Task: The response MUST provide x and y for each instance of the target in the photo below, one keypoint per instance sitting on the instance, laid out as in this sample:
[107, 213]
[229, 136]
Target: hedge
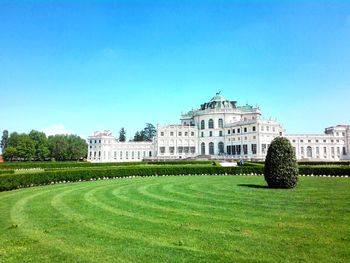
[9, 182]
[324, 163]
[49, 165]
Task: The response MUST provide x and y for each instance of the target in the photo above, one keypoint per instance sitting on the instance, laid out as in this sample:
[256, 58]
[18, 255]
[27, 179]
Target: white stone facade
[220, 129]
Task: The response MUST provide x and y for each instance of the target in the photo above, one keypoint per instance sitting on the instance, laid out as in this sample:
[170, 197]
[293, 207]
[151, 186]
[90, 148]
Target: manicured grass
[177, 219]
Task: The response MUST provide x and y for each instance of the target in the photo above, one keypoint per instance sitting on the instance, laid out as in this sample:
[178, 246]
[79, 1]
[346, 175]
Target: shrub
[281, 169]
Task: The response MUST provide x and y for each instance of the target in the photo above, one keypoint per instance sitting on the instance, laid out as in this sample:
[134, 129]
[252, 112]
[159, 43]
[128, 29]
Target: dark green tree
[281, 168]
[25, 147]
[122, 135]
[41, 145]
[77, 147]
[149, 132]
[4, 140]
[10, 153]
[58, 145]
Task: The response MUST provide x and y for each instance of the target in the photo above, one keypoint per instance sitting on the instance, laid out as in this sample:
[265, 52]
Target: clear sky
[82, 66]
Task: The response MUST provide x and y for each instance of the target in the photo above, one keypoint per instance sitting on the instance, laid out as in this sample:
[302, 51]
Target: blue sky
[81, 66]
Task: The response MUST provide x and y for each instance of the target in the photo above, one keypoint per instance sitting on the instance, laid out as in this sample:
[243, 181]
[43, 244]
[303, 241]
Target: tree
[25, 147]
[281, 169]
[77, 147]
[149, 132]
[4, 140]
[58, 146]
[122, 134]
[10, 153]
[41, 145]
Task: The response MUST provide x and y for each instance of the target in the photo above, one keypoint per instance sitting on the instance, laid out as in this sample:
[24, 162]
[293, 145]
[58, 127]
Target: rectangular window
[238, 149]
[253, 128]
[162, 150]
[229, 132]
[344, 151]
[302, 150]
[245, 149]
[325, 150]
[317, 150]
[202, 134]
[233, 131]
[253, 148]
[220, 133]
[171, 133]
[186, 133]
[245, 129]
[211, 134]
[180, 133]
[338, 150]
[138, 155]
[332, 150]
[267, 128]
[234, 150]
[127, 155]
[228, 149]
[238, 130]
[121, 155]
[192, 133]
[263, 148]
[193, 149]
[161, 133]
[171, 150]
[180, 149]
[186, 149]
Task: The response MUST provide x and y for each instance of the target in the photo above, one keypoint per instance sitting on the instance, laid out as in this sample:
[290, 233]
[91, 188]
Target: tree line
[36, 146]
[145, 135]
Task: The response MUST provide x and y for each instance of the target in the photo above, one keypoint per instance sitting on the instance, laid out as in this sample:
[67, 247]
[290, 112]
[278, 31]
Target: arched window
[221, 123]
[221, 147]
[202, 125]
[202, 148]
[211, 124]
[211, 148]
[309, 151]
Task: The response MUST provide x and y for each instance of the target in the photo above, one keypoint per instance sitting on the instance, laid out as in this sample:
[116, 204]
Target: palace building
[220, 129]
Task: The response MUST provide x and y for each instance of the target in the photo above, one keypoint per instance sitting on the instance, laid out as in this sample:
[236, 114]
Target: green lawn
[177, 219]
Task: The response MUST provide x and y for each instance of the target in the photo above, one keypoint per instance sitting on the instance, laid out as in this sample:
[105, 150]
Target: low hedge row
[13, 181]
[6, 171]
[9, 182]
[51, 165]
[324, 163]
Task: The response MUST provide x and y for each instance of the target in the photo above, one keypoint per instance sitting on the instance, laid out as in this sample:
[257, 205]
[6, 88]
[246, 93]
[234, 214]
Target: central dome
[219, 102]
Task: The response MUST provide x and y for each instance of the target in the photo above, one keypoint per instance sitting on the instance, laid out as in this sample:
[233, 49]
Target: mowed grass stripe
[115, 221]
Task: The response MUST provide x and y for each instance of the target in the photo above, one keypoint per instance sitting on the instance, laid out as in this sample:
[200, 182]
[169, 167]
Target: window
[316, 140]
[238, 149]
[202, 148]
[302, 150]
[301, 141]
[338, 150]
[234, 150]
[267, 128]
[171, 150]
[253, 128]
[228, 149]
[161, 133]
[332, 150]
[180, 149]
[245, 149]
[180, 133]
[132, 155]
[245, 129]
[344, 151]
[127, 155]
[238, 130]
[262, 128]
[317, 150]
[211, 148]
[325, 150]
[138, 155]
[211, 124]
[324, 140]
[186, 133]
[202, 124]
[211, 134]
[171, 133]
[202, 134]
[253, 148]
[162, 150]
[221, 147]
[233, 131]
[309, 140]
[150, 153]
[192, 133]
[309, 151]
[220, 133]
[121, 155]
[273, 129]
[228, 131]
[192, 149]
[221, 123]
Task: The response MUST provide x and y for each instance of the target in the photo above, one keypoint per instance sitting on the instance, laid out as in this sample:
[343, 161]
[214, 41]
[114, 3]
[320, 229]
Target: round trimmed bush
[281, 168]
